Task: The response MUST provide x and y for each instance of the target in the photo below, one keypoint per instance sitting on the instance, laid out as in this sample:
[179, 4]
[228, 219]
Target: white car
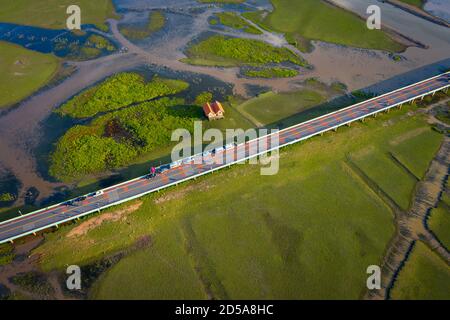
[97, 194]
[175, 164]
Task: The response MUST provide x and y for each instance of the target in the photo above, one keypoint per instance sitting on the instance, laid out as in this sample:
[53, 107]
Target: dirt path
[228, 75]
[411, 225]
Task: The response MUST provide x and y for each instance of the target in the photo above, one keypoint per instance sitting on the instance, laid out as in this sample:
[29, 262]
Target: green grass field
[317, 20]
[52, 13]
[427, 141]
[390, 177]
[424, 276]
[166, 267]
[439, 223]
[271, 107]
[308, 232]
[23, 72]
[413, 149]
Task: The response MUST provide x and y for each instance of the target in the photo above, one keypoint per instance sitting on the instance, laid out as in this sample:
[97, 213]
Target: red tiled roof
[207, 109]
[217, 107]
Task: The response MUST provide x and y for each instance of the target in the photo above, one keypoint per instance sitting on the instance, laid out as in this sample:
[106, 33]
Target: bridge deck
[135, 188]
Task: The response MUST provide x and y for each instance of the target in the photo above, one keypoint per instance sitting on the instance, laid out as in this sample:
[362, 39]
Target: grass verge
[425, 276]
[23, 72]
[318, 20]
[52, 13]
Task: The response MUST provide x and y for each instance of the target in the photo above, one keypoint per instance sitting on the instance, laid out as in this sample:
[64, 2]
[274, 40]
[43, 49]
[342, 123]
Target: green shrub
[119, 91]
[115, 139]
[203, 98]
[7, 197]
[235, 51]
[275, 72]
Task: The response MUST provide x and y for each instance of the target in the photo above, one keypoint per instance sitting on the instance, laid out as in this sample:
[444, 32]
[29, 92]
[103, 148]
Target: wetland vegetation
[223, 51]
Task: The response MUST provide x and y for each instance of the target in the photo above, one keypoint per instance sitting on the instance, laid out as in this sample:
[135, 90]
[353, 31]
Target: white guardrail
[105, 190]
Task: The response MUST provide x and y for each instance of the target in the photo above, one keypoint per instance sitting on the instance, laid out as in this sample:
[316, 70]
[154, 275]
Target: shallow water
[438, 8]
[58, 42]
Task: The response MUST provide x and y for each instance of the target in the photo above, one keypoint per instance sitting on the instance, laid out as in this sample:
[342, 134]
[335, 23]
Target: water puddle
[61, 43]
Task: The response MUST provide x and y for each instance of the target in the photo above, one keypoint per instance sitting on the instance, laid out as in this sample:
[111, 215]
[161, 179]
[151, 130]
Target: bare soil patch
[93, 223]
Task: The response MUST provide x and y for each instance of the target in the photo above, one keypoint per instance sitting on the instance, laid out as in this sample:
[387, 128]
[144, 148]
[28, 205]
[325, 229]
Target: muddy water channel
[29, 130]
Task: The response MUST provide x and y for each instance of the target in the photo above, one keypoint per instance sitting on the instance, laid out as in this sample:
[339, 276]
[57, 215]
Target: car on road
[79, 199]
[163, 168]
[175, 164]
[96, 194]
[69, 203]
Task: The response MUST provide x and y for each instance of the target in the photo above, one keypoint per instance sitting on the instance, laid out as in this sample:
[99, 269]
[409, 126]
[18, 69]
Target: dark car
[69, 203]
[82, 198]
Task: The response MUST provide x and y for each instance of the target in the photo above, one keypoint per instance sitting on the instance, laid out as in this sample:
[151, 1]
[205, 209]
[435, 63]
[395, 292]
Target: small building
[209, 113]
[218, 109]
[214, 111]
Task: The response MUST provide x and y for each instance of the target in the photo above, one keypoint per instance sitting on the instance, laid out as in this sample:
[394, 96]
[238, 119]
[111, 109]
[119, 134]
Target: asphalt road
[132, 189]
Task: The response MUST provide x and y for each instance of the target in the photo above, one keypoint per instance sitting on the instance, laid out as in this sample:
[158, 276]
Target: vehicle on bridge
[96, 194]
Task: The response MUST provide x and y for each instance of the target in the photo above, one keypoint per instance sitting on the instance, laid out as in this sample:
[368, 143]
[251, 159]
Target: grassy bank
[156, 21]
[439, 223]
[234, 21]
[119, 91]
[415, 3]
[308, 232]
[227, 52]
[23, 72]
[271, 107]
[317, 20]
[275, 72]
[424, 276]
[52, 13]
